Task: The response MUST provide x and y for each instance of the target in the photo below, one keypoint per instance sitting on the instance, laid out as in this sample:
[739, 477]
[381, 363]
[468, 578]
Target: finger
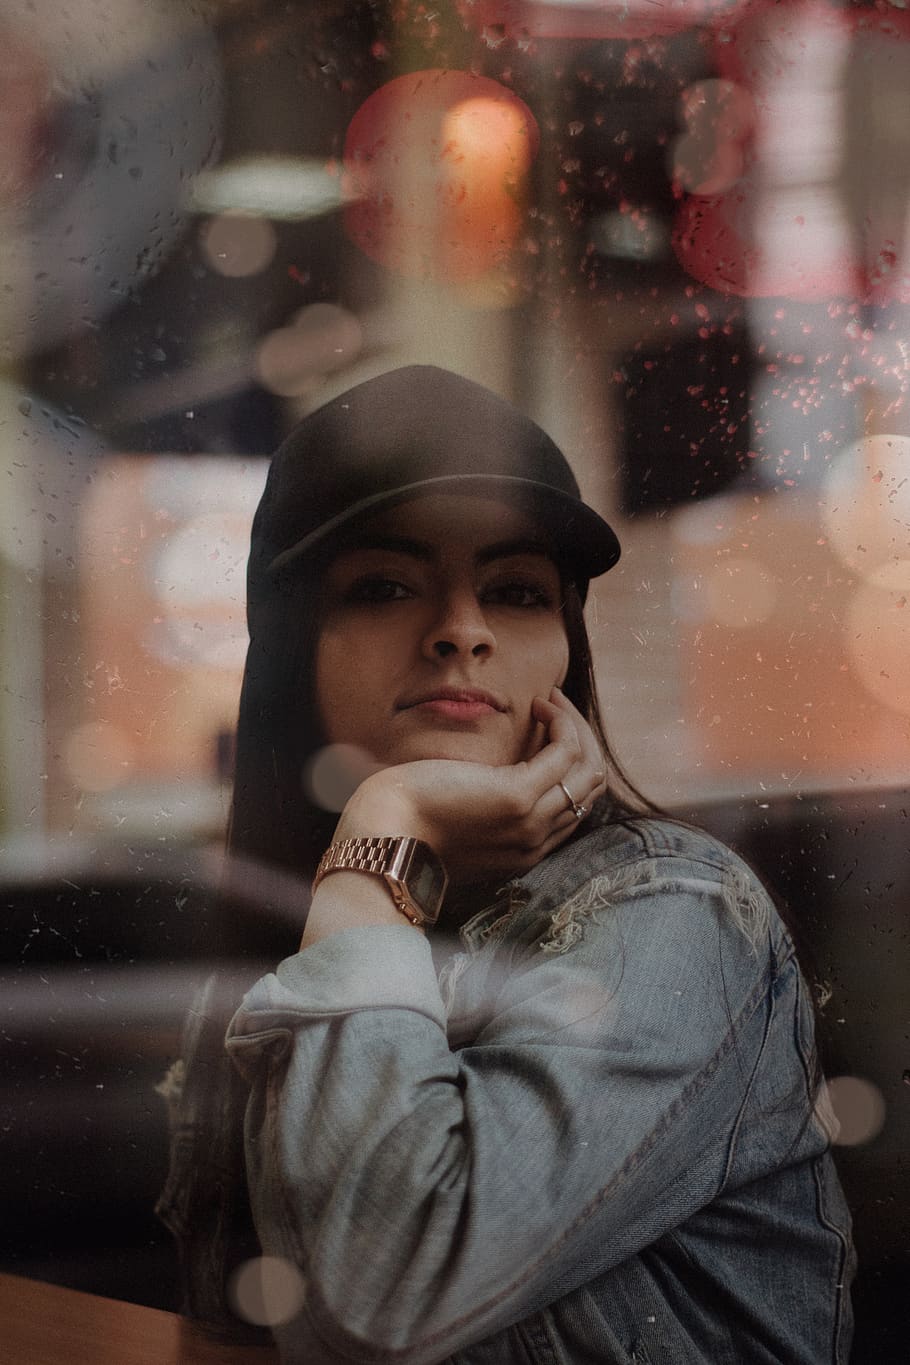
[543, 771]
[586, 778]
[558, 716]
[527, 856]
[556, 787]
[586, 735]
[562, 807]
[566, 807]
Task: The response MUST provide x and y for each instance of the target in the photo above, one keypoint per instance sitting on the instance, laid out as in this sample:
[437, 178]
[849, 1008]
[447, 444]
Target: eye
[375, 589]
[519, 592]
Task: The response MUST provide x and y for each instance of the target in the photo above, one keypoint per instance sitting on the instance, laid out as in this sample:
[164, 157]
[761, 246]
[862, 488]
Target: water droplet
[859, 1108]
[267, 1290]
[334, 773]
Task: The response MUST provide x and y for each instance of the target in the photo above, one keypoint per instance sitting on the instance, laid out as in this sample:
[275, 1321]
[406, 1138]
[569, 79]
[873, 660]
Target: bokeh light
[437, 163]
[781, 227]
[98, 756]
[818, 206]
[267, 1291]
[630, 237]
[708, 157]
[26, 84]
[795, 243]
[866, 505]
[332, 775]
[859, 1108]
[591, 19]
[284, 188]
[198, 577]
[107, 112]
[203, 560]
[236, 246]
[740, 592]
[708, 522]
[320, 339]
[877, 634]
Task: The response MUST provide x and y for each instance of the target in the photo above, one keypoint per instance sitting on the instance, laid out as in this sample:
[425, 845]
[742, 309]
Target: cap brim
[581, 537]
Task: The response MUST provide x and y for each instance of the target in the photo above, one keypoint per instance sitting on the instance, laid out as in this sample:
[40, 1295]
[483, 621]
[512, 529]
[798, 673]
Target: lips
[469, 700]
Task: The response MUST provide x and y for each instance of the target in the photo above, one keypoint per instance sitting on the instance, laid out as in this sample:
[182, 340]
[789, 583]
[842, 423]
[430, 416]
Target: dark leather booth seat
[101, 954]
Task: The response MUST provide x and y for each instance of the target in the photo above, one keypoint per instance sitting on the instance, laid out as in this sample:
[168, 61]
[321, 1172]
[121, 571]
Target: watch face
[425, 880]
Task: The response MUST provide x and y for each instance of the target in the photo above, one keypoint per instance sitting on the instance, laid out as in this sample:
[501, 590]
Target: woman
[588, 1131]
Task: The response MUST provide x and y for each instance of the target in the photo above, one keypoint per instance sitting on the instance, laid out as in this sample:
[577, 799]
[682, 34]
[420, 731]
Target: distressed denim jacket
[592, 1137]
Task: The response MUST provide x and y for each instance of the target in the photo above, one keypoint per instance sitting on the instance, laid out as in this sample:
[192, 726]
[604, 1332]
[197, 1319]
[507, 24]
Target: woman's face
[440, 623]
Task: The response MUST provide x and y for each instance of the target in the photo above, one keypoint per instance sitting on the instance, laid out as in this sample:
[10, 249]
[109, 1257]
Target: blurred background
[676, 234]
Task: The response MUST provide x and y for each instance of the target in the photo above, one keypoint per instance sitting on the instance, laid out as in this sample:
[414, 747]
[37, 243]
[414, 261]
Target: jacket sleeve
[432, 1197]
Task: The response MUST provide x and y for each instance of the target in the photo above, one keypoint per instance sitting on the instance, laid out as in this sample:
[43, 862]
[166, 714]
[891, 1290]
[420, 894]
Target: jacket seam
[738, 1122]
[840, 1288]
[843, 1243]
[646, 847]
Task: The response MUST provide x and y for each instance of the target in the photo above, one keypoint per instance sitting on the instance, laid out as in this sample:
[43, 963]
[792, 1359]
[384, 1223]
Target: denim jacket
[593, 1137]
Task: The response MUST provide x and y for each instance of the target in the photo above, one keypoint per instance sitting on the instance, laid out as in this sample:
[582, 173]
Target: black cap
[411, 431]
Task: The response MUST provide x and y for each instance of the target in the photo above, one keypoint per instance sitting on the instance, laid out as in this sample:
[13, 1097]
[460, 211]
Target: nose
[460, 626]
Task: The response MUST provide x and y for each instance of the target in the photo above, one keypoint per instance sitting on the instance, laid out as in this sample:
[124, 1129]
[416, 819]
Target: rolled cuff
[378, 966]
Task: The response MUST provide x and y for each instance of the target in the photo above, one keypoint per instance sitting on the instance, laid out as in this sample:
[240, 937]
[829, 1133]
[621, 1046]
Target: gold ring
[578, 811]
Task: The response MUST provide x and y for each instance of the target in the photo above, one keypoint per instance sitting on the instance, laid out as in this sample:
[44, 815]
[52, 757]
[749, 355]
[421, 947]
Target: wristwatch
[408, 866]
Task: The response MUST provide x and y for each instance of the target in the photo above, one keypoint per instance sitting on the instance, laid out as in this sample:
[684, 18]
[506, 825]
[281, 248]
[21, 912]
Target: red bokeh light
[820, 208]
[589, 19]
[437, 166]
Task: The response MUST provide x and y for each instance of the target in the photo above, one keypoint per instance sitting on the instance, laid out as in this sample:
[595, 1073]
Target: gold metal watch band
[357, 855]
[391, 857]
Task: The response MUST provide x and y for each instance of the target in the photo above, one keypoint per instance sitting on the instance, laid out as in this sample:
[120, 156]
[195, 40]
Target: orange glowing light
[437, 165]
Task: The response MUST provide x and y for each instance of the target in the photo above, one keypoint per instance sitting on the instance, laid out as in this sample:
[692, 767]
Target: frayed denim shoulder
[747, 905]
[567, 921]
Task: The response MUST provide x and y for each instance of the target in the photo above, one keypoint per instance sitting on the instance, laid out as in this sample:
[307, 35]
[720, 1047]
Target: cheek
[355, 679]
[554, 659]
[563, 660]
[544, 661]
[333, 664]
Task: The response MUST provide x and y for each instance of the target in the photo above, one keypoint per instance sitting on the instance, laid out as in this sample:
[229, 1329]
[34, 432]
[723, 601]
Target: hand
[484, 820]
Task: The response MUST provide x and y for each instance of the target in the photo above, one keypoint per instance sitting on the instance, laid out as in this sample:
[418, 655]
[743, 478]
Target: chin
[456, 748]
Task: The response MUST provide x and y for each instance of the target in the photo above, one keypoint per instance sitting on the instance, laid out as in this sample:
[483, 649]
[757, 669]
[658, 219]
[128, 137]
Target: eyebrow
[424, 551]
